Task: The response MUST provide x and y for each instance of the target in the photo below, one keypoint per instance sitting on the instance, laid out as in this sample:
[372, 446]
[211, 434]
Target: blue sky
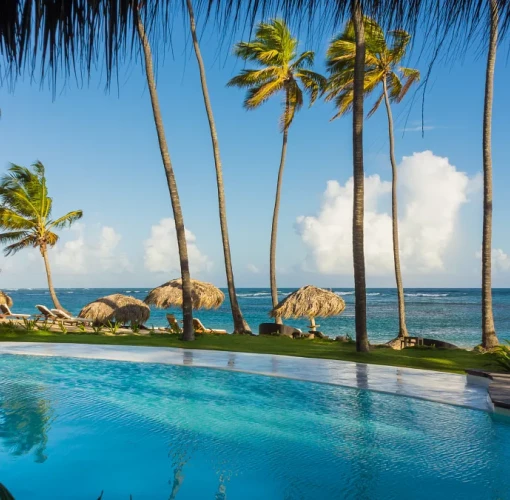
[101, 156]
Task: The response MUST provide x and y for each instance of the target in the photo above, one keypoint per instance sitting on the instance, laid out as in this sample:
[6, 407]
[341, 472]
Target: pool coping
[428, 385]
[498, 388]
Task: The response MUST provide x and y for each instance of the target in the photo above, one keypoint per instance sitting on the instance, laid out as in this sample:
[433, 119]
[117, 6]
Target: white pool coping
[434, 386]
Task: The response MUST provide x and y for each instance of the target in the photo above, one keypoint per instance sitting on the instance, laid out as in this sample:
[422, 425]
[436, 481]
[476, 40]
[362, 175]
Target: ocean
[452, 314]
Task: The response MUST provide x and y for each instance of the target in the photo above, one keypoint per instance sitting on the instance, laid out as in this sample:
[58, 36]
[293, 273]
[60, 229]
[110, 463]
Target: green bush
[503, 356]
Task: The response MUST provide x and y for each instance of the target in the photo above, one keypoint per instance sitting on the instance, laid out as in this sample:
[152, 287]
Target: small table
[410, 341]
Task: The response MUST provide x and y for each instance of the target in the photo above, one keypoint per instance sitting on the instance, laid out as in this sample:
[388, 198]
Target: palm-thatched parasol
[203, 295]
[116, 307]
[5, 299]
[311, 302]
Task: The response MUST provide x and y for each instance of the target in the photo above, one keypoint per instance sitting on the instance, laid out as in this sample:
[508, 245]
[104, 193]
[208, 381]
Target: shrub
[29, 324]
[503, 356]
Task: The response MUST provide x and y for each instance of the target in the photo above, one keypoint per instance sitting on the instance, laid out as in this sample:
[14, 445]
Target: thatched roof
[310, 302]
[117, 307]
[204, 295]
[5, 299]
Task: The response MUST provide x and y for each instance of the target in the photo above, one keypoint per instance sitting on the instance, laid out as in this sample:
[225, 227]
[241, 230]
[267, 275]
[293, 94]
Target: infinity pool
[71, 429]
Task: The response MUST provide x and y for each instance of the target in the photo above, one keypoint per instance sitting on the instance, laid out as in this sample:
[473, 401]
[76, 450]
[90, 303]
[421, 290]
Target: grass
[417, 357]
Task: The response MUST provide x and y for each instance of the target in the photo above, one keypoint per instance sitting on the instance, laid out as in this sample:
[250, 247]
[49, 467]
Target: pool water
[71, 429]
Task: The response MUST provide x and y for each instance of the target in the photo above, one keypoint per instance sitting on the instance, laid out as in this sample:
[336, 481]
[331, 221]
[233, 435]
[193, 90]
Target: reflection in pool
[72, 428]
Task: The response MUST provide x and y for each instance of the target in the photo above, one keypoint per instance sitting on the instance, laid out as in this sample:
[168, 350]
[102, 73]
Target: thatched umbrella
[203, 295]
[116, 307]
[5, 299]
[310, 302]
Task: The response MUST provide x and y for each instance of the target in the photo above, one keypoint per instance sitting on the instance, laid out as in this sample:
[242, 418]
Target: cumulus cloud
[500, 259]
[84, 254]
[431, 193]
[161, 251]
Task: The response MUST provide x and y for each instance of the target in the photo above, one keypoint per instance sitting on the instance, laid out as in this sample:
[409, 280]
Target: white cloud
[431, 192]
[500, 259]
[253, 268]
[161, 251]
[81, 256]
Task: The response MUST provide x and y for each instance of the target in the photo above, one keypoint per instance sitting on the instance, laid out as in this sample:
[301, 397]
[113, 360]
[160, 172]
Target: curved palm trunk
[358, 199]
[489, 338]
[402, 330]
[276, 211]
[187, 308]
[53, 294]
[240, 325]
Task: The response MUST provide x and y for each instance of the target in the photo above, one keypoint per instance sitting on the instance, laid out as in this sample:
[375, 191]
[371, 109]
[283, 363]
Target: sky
[101, 156]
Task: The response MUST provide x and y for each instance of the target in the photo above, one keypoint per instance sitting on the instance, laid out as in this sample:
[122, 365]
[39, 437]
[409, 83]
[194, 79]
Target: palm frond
[29, 241]
[314, 83]
[411, 76]
[251, 77]
[15, 236]
[261, 93]
[9, 219]
[66, 220]
[394, 86]
[305, 60]
[51, 238]
[375, 106]
[399, 42]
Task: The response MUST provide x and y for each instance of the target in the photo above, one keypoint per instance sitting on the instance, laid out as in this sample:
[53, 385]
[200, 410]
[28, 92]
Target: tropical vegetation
[26, 216]
[382, 59]
[359, 60]
[281, 71]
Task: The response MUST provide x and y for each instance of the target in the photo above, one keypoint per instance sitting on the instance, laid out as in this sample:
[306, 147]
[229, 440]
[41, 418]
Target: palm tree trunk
[489, 338]
[240, 325]
[187, 308]
[359, 174]
[53, 294]
[276, 211]
[402, 329]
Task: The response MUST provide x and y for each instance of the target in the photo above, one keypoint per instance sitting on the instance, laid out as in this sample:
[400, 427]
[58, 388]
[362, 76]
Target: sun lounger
[46, 314]
[174, 325]
[63, 316]
[200, 328]
[6, 312]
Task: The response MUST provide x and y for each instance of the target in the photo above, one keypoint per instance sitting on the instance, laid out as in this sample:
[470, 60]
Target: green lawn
[425, 358]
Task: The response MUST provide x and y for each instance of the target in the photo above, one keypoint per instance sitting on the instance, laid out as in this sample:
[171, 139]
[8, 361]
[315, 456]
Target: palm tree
[358, 209]
[382, 58]
[240, 325]
[489, 338]
[25, 215]
[282, 70]
[187, 307]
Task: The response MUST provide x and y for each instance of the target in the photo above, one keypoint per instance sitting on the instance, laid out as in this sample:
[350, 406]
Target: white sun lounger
[7, 312]
[48, 315]
[66, 317]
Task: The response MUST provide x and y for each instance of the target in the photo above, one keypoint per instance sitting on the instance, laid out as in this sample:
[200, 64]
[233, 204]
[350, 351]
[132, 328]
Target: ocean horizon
[449, 314]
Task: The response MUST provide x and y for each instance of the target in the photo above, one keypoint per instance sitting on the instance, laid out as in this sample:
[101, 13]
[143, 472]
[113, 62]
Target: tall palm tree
[489, 338]
[25, 215]
[187, 307]
[240, 325]
[358, 209]
[283, 71]
[382, 59]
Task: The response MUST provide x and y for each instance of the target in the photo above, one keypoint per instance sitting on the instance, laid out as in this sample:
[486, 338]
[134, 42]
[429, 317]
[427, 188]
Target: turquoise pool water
[71, 428]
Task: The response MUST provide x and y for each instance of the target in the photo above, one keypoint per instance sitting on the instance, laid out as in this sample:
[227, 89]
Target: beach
[452, 314]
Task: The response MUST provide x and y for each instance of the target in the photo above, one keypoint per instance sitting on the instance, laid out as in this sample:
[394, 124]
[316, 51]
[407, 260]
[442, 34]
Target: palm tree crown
[282, 69]
[25, 210]
[381, 64]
